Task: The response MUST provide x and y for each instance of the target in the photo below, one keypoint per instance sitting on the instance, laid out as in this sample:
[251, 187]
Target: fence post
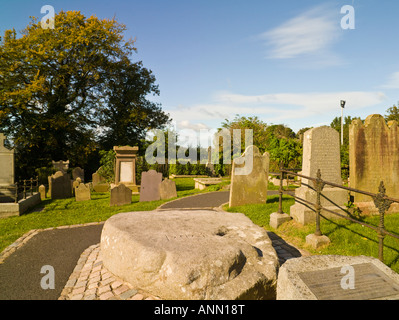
[16, 192]
[318, 185]
[24, 189]
[280, 192]
[31, 186]
[382, 205]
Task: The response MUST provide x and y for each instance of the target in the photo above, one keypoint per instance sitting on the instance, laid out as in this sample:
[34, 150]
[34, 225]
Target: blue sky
[285, 61]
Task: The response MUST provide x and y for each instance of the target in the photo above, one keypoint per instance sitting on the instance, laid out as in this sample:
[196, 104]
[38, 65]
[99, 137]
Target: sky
[287, 62]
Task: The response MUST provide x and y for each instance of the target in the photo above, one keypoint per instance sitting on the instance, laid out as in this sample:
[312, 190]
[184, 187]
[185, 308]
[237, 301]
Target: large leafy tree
[392, 113]
[60, 87]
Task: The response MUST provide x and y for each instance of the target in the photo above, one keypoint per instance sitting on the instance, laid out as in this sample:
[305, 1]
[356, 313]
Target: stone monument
[99, 183]
[78, 173]
[6, 171]
[374, 157]
[125, 166]
[120, 195]
[167, 189]
[191, 255]
[82, 192]
[249, 178]
[61, 165]
[60, 186]
[150, 183]
[321, 150]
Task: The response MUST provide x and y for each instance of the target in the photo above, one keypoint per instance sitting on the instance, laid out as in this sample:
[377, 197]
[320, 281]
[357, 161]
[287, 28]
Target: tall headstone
[249, 178]
[125, 166]
[167, 189]
[321, 150]
[120, 195]
[60, 185]
[6, 169]
[374, 157]
[150, 182]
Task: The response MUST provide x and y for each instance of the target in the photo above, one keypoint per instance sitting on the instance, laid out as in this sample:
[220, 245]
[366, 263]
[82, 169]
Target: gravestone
[249, 178]
[6, 171]
[78, 173]
[333, 277]
[191, 255]
[60, 185]
[125, 166]
[82, 192]
[42, 191]
[120, 195]
[167, 189]
[150, 182]
[61, 165]
[99, 183]
[374, 157]
[321, 150]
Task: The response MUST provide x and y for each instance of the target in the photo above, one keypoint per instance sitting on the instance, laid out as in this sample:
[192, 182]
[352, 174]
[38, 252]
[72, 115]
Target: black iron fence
[381, 201]
[20, 190]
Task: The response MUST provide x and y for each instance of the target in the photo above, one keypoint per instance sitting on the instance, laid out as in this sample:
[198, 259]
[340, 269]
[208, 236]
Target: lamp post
[342, 121]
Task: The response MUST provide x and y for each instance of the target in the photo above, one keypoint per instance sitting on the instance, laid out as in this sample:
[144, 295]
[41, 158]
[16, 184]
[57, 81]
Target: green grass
[347, 238]
[68, 212]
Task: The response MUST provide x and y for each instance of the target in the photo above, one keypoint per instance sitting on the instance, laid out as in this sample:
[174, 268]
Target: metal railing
[381, 201]
[20, 190]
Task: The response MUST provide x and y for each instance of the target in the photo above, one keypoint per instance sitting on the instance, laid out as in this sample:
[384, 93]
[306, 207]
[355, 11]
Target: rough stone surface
[150, 182]
[78, 173]
[291, 286]
[99, 183]
[42, 191]
[120, 195]
[6, 163]
[249, 178]
[321, 150]
[374, 156]
[167, 189]
[201, 254]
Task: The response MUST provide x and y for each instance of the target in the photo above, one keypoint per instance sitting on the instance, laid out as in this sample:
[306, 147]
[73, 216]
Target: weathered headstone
[61, 165]
[82, 192]
[42, 191]
[125, 166]
[249, 178]
[120, 195]
[332, 277]
[150, 182]
[60, 185]
[99, 183]
[6, 170]
[191, 255]
[167, 189]
[321, 150]
[78, 173]
[374, 157]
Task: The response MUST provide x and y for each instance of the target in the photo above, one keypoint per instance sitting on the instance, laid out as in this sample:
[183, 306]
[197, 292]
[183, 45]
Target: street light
[342, 121]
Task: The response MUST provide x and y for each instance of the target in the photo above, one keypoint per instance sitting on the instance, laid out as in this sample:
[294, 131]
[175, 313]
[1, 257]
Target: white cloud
[309, 34]
[287, 108]
[393, 81]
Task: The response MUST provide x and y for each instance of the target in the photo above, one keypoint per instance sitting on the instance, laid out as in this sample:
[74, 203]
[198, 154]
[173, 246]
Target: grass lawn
[347, 238]
[68, 212]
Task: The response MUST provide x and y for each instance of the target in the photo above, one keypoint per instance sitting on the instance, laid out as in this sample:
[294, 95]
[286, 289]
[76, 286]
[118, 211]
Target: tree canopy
[67, 90]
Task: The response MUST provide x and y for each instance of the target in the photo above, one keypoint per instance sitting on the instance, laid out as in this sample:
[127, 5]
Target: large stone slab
[334, 277]
[82, 192]
[60, 185]
[201, 254]
[249, 178]
[120, 195]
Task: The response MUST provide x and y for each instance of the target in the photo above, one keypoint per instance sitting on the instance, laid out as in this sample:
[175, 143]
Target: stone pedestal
[125, 166]
[6, 171]
[277, 219]
[317, 241]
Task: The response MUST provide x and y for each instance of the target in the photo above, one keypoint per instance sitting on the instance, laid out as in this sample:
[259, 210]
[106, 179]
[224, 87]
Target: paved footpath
[74, 253]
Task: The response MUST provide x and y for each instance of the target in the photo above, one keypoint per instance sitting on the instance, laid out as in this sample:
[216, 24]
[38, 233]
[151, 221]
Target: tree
[60, 87]
[392, 113]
